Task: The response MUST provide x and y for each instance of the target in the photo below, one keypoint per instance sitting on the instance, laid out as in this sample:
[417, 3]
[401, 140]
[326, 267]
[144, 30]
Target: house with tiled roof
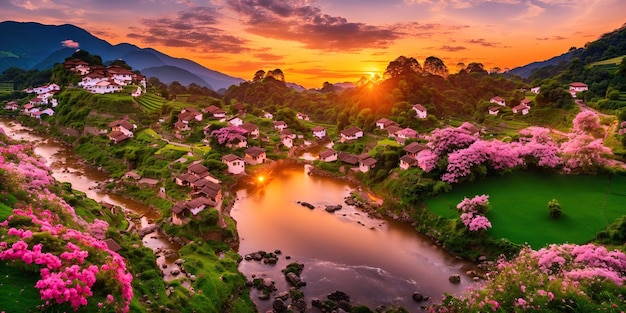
[413, 149]
[366, 163]
[251, 129]
[280, 125]
[524, 109]
[236, 165]
[215, 111]
[384, 123]
[407, 161]
[318, 131]
[494, 110]
[328, 155]
[348, 158]
[405, 134]
[121, 130]
[351, 133]
[498, 100]
[420, 111]
[254, 155]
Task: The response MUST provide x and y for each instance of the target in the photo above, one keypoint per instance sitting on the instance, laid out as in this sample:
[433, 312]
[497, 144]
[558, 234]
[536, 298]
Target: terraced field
[150, 102]
[6, 87]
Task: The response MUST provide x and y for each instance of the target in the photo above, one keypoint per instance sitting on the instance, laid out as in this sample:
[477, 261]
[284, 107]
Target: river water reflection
[374, 261]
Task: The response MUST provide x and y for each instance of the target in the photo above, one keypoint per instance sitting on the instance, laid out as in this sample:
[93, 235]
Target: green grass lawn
[18, 289]
[172, 147]
[519, 209]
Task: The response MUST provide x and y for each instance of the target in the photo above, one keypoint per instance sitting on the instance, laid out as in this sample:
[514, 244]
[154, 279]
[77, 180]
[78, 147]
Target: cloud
[551, 38]
[452, 48]
[194, 28]
[268, 56]
[483, 42]
[532, 10]
[70, 44]
[292, 20]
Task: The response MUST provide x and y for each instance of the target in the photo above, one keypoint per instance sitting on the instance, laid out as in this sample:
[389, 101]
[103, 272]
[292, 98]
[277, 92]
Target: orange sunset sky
[334, 40]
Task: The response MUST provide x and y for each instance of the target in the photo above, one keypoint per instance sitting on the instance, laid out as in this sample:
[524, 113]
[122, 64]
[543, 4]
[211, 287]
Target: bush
[555, 208]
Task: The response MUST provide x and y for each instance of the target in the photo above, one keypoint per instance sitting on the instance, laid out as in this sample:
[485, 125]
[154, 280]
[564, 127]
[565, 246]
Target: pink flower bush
[553, 279]
[585, 154]
[68, 271]
[227, 134]
[446, 140]
[586, 122]
[473, 211]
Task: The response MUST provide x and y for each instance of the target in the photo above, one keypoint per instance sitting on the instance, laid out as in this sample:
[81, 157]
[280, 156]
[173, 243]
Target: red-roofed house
[498, 100]
[235, 164]
[420, 111]
[254, 155]
[351, 133]
[319, 132]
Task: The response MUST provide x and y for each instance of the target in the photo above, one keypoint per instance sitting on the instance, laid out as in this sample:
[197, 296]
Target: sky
[317, 41]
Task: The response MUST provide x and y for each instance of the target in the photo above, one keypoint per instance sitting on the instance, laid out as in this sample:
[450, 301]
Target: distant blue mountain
[37, 46]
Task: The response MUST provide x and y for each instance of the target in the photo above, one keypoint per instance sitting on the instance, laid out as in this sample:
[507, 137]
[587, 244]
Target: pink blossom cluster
[622, 128]
[547, 280]
[227, 134]
[584, 153]
[445, 140]
[68, 272]
[586, 122]
[472, 212]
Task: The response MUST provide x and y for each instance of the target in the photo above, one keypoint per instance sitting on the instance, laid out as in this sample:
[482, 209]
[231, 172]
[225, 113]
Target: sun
[260, 178]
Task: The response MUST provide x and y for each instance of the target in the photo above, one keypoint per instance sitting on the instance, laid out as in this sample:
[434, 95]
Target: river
[68, 167]
[374, 261]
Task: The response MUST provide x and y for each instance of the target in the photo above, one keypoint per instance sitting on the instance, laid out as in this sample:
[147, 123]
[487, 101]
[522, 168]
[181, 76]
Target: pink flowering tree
[227, 134]
[473, 213]
[558, 278]
[587, 122]
[446, 140]
[585, 154]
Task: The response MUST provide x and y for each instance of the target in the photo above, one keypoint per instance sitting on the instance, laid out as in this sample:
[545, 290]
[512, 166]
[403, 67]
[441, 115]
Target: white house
[404, 134]
[351, 133]
[420, 111]
[521, 109]
[280, 125]
[365, 165]
[235, 121]
[268, 115]
[251, 129]
[413, 149]
[286, 140]
[121, 130]
[494, 110]
[577, 87]
[407, 161]
[384, 123]
[526, 102]
[319, 132]
[11, 105]
[498, 100]
[235, 164]
[535, 90]
[138, 92]
[302, 116]
[254, 155]
[215, 111]
[328, 155]
[105, 86]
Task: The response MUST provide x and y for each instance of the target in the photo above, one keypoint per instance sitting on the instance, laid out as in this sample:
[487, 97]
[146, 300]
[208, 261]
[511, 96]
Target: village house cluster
[105, 79]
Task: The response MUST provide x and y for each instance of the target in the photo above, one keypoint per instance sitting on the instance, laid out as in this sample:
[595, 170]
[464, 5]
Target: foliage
[555, 208]
[559, 278]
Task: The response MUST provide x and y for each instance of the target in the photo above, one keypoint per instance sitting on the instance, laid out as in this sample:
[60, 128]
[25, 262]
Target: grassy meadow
[519, 209]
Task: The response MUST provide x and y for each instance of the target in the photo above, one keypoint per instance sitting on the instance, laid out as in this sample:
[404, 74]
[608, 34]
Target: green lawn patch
[18, 289]
[519, 205]
[170, 147]
[388, 142]
[150, 102]
[6, 87]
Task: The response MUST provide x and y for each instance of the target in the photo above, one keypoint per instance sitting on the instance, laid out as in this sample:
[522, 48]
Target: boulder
[279, 305]
[455, 279]
[417, 297]
[338, 296]
[179, 262]
[333, 208]
[306, 204]
[175, 271]
[294, 280]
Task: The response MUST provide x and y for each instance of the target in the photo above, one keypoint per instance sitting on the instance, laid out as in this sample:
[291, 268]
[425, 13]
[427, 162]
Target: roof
[254, 151]
[318, 128]
[117, 136]
[369, 162]
[496, 98]
[386, 122]
[419, 107]
[526, 101]
[494, 109]
[348, 158]
[351, 131]
[521, 107]
[414, 147]
[279, 123]
[179, 207]
[230, 157]
[249, 127]
[326, 153]
[122, 123]
[407, 132]
[578, 84]
[213, 109]
[197, 168]
[408, 159]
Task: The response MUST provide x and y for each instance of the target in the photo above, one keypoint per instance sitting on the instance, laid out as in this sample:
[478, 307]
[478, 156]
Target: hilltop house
[351, 133]
[254, 155]
[11, 106]
[420, 111]
[268, 115]
[182, 212]
[407, 161]
[328, 155]
[526, 102]
[535, 90]
[189, 114]
[494, 110]
[521, 109]
[366, 162]
[251, 129]
[215, 111]
[302, 116]
[235, 121]
[384, 123]
[121, 130]
[413, 149]
[280, 125]
[577, 87]
[498, 100]
[235, 164]
[319, 132]
[286, 140]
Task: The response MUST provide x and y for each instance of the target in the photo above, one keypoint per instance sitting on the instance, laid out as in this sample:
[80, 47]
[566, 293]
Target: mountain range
[30, 45]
